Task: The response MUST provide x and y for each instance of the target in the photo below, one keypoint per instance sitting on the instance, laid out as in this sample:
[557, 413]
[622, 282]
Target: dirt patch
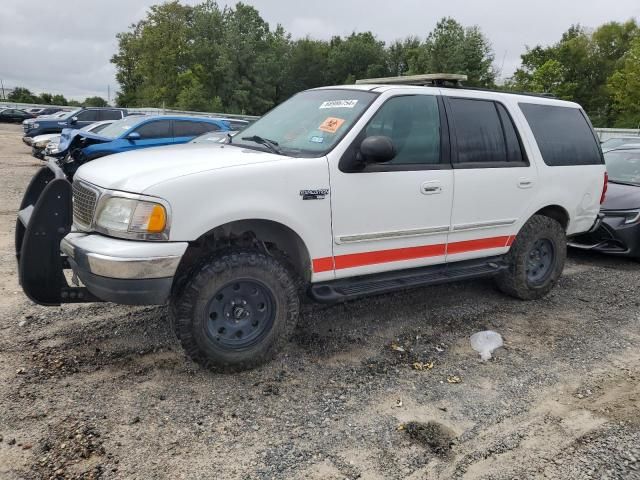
[438, 437]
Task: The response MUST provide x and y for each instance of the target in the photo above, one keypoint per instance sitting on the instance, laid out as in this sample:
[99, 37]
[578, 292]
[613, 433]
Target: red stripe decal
[351, 260]
[480, 244]
[323, 264]
[383, 256]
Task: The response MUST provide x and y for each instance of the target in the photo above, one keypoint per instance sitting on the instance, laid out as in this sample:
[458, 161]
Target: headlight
[35, 125]
[629, 216]
[132, 218]
[41, 143]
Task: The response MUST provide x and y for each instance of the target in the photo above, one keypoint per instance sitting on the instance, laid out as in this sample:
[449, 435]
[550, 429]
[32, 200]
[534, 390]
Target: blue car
[132, 133]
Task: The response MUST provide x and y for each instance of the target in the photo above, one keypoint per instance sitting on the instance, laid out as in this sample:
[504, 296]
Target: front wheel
[236, 310]
[536, 259]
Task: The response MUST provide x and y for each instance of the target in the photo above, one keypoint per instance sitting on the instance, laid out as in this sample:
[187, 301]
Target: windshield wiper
[270, 144]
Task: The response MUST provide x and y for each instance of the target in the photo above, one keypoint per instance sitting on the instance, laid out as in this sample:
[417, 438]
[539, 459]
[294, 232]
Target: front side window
[309, 124]
[157, 129]
[412, 123]
[88, 116]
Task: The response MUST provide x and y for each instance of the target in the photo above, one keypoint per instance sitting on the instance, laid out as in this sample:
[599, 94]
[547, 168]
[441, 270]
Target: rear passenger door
[493, 178]
[186, 130]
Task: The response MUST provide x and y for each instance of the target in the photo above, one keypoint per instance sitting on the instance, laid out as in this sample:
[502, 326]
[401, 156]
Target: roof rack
[444, 80]
[431, 79]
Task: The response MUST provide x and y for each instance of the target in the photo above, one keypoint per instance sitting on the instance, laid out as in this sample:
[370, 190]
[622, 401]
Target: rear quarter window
[563, 134]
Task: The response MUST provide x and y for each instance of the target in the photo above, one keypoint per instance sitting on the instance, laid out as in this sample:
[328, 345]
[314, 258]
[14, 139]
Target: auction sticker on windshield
[331, 124]
[338, 104]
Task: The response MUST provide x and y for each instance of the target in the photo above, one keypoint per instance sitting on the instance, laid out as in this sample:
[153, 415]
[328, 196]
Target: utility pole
[109, 94]
[2, 85]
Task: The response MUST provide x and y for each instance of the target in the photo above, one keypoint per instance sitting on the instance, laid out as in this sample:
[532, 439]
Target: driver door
[395, 215]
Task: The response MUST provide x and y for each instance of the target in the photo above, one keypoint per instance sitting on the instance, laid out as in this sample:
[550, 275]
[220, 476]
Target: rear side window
[484, 133]
[563, 135]
[183, 128]
[158, 129]
[111, 114]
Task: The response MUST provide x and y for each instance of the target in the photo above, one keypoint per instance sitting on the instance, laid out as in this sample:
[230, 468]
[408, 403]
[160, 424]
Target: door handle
[431, 188]
[525, 183]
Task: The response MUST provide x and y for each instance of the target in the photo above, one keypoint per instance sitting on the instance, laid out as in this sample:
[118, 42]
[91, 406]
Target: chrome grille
[84, 204]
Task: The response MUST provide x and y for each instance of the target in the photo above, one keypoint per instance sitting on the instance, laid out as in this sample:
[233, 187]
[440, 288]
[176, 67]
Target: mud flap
[44, 219]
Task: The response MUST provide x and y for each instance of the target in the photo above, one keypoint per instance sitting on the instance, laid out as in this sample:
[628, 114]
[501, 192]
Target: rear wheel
[236, 310]
[536, 259]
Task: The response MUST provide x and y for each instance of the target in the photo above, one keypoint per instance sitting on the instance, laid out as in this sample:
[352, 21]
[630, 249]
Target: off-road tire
[189, 308]
[514, 281]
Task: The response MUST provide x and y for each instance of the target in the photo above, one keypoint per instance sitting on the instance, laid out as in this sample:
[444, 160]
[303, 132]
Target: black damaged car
[619, 231]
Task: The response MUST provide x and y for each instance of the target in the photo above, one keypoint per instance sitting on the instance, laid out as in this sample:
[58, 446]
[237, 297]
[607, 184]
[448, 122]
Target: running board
[348, 288]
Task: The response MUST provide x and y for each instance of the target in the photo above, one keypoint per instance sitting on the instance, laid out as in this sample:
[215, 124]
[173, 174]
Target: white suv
[337, 193]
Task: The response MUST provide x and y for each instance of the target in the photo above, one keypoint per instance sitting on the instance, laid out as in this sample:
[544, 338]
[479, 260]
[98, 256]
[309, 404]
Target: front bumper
[121, 271]
[612, 236]
[27, 140]
[124, 271]
[37, 152]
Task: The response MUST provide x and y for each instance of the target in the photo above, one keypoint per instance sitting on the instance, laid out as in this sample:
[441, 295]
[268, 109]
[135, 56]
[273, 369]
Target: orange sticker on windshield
[331, 124]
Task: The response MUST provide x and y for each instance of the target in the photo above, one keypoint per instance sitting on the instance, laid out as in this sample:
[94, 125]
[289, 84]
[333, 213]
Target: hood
[138, 170]
[46, 136]
[71, 137]
[621, 197]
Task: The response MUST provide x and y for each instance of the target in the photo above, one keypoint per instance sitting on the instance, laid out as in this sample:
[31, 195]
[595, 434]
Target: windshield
[121, 126]
[73, 113]
[623, 166]
[309, 124]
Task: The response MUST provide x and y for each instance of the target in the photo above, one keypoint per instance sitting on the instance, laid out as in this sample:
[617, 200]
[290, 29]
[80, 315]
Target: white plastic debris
[485, 343]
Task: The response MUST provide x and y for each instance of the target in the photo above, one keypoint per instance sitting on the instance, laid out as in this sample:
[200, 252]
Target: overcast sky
[64, 46]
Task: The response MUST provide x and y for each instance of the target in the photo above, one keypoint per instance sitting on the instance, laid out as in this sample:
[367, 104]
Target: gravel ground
[104, 391]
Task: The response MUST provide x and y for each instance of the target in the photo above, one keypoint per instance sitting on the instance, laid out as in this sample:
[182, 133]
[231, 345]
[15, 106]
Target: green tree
[59, 100]
[306, 66]
[22, 95]
[95, 102]
[624, 86]
[46, 98]
[452, 48]
[360, 55]
[578, 67]
[401, 54]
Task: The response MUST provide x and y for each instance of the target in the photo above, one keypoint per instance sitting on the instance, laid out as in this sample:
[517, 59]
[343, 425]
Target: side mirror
[377, 149]
[133, 136]
[73, 120]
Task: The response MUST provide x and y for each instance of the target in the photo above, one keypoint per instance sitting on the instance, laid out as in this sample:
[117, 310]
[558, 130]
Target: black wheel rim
[240, 314]
[540, 261]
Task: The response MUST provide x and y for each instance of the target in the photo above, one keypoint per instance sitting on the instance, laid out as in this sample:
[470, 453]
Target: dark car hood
[621, 197]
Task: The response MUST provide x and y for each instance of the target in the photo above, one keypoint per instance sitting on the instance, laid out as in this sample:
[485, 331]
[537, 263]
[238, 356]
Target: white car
[31, 140]
[338, 193]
